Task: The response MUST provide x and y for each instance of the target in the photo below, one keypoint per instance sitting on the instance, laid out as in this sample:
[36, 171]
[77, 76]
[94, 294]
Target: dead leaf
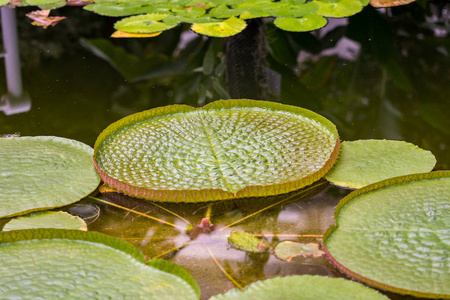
[389, 3]
[41, 18]
[79, 2]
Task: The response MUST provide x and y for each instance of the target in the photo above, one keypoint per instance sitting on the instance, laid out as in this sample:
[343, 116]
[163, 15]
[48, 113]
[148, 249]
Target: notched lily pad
[394, 235]
[287, 250]
[47, 219]
[226, 28]
[307, 23]
[65, 264]
[247, 242]
[364, 162]
[38, 173]
[226, 150]
[303, 287]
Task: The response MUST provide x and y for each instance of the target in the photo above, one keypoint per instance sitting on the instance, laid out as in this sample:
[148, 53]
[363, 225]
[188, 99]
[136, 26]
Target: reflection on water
[379, 74]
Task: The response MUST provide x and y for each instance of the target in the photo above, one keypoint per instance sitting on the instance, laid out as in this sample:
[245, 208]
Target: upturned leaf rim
[204, 195]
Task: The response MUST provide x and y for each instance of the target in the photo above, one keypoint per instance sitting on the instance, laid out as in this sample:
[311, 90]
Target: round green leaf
[228, 27]
[113, 9]
[338, 9]
[303, 287]
[364, 162]
[47, 219]
[148, 23]
[44, 172]
[287, 250]
[395, 235]
[307, 23]
[228, 149]
[72, 264]
[247, 242]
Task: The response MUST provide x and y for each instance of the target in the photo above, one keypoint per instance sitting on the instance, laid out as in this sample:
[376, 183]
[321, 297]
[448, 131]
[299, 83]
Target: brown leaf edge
[354, 194]
[205, 195]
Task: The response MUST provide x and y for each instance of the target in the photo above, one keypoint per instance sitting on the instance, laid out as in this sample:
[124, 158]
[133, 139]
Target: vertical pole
[11, 45]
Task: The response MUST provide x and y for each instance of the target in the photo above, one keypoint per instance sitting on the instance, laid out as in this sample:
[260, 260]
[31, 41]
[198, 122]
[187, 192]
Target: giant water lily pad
[65, 264]
[364, 162]
[395, 235]
[303, 287]
[43, 172]
[228, 149]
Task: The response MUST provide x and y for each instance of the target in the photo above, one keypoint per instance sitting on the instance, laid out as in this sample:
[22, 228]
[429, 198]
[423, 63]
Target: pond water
[379, 74]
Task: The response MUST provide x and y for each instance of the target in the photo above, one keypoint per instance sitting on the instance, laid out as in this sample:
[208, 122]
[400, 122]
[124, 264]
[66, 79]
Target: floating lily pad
[287, 250]
[247, 242]
[73, 264]
[303, 287]
[226, 150]
[338, 9]
[38, 173]
[307, 23]
[228, 27]
[394, 235]
[149, 23]
[364, 162]
[47, 219]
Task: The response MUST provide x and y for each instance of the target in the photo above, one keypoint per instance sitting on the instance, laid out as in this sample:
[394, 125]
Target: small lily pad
[149, 23]
[338, 9]
[287, 250]
[307, 23]
[247, 242]
[228, 27]
[47, 219]
[364, 162]
[394, 235]
[303, 287]
[73, 264]
[38, 173]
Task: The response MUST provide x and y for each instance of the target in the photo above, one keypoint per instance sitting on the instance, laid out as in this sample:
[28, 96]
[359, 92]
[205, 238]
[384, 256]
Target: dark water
[380, 74]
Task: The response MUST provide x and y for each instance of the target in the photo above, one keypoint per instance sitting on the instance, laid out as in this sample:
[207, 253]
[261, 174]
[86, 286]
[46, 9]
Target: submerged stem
[171, 250]
[224, 271]
[272, 205]
[136, 212]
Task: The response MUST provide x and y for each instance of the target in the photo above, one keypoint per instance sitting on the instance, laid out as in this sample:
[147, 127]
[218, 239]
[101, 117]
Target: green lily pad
[287, 250]
[395, 235]
[38, 173]
[303, 287]
[247, 242]
[113, 9]
[228, 27]
[226, 150]
[307, 23]
[46, 219]
[364, 162]
[338, 9]
[148, 23]
[65, 264]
